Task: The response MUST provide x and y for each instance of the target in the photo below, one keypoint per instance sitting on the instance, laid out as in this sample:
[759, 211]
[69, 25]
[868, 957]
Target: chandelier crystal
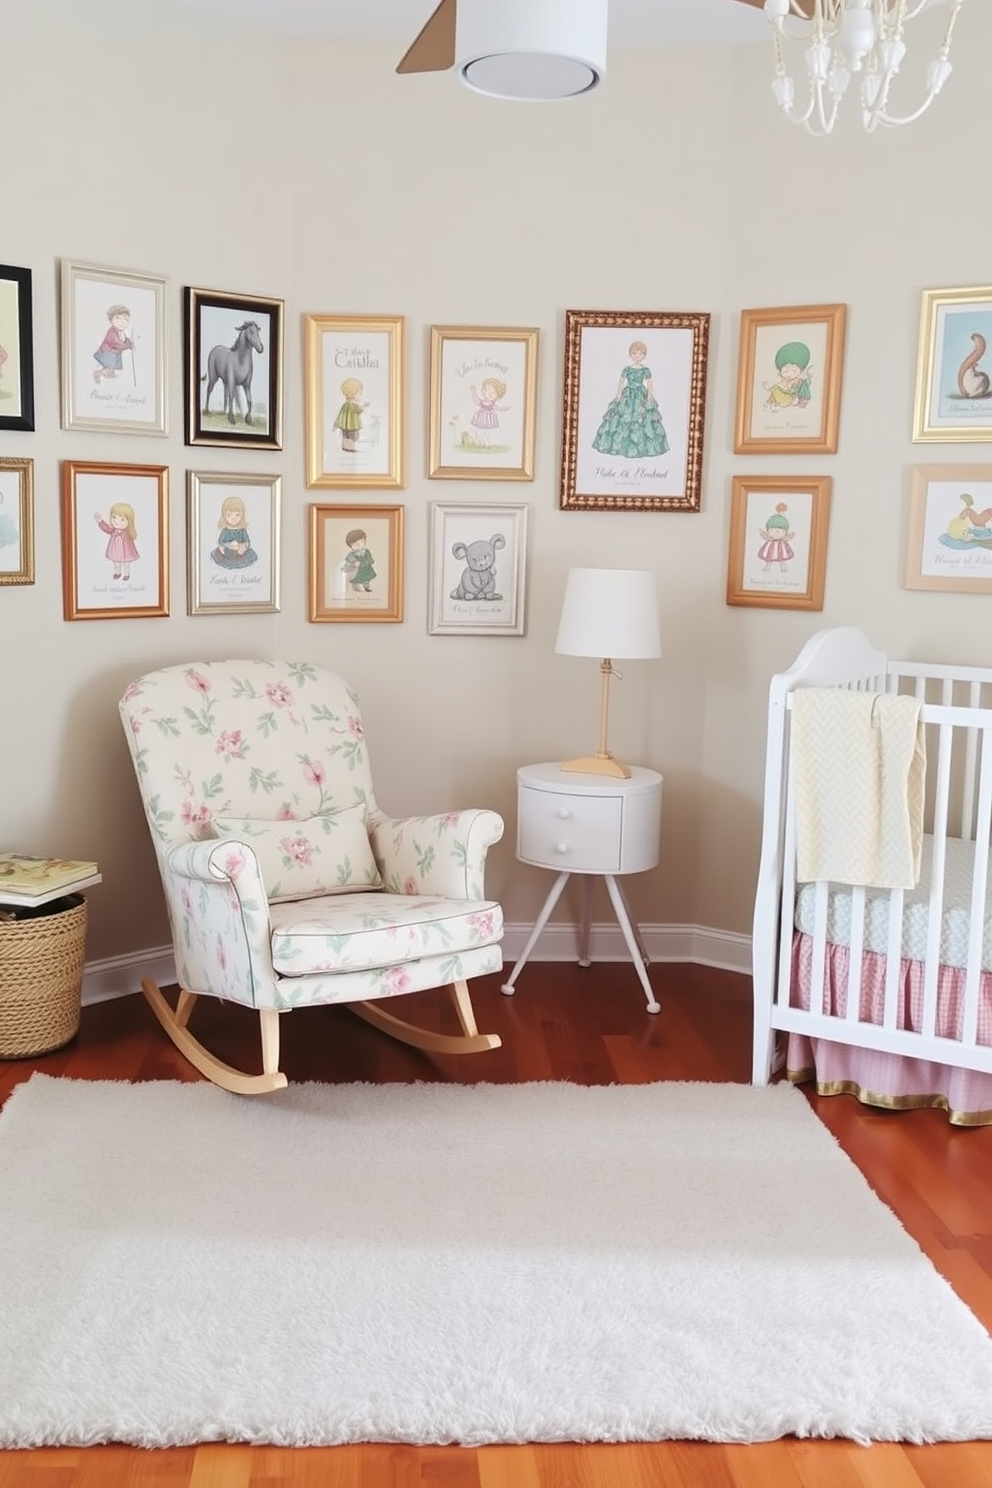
[845, 42]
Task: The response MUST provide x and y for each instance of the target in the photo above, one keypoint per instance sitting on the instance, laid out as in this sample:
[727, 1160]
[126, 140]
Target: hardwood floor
[589, 1026]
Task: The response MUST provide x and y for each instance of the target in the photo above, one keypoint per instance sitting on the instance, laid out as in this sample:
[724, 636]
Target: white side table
[594, 825]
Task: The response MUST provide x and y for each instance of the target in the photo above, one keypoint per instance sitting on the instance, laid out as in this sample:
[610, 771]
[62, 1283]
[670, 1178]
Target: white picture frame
[114, 350]
[478, 561]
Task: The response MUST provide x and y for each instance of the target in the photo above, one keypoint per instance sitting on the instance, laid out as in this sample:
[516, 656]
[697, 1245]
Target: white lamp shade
[531, 49]
[610, 612]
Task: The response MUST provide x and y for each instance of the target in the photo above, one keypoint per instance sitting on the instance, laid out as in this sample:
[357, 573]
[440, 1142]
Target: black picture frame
[233, 414]
[15, 310]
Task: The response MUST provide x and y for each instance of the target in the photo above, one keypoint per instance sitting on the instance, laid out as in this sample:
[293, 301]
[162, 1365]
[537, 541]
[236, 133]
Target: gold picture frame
[778, 541]
[949, 537]
[16, 520]
[356, 563]
[660, 359]
[354, 370]
[115, 541]
[483, 401]
[789, 375]
[953, 401]
[232, 543]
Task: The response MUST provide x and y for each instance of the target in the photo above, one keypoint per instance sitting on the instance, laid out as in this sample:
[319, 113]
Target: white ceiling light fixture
[850, 41]
[528, 50]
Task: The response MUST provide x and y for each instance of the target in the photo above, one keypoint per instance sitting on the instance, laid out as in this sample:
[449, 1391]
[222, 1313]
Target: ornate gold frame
[24, 469]
[643, 494]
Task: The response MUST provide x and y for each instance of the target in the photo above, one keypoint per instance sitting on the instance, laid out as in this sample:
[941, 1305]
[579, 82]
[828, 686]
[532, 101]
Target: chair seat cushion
[358, 932]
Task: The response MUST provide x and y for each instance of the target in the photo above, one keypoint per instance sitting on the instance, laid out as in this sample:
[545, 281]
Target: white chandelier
[844, 39]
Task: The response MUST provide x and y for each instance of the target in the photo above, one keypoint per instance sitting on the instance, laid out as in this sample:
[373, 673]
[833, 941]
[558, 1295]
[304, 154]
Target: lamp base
[599, 764]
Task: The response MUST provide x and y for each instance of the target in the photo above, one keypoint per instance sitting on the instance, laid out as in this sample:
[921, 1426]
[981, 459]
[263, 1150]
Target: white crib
[883, 993]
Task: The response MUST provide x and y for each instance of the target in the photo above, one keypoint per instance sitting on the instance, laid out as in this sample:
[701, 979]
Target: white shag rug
[443, 1263]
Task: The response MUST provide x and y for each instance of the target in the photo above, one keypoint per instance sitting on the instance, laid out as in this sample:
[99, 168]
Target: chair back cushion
[326, 854]
[264, 741]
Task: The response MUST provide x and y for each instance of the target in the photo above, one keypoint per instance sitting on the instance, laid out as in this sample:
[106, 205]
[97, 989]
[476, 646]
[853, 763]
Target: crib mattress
[956, 918]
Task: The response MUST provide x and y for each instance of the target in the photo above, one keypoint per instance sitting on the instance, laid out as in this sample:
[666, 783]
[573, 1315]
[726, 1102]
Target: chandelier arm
[842, 37]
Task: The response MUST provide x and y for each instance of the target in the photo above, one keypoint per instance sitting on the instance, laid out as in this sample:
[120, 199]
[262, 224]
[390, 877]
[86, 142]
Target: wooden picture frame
[478, 562]
[483, 402]
[16, 520]
[953, 401]
[949, 539]
[354, 368]
[356, 563]
[232, 543]
[789, 374]
[233, 369]
[115, 541]
[16, 349]
[778, 541]
[114, 350]
[657, 361]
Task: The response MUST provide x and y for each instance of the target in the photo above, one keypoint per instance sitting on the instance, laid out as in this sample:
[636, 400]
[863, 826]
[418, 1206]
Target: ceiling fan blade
[434, 48]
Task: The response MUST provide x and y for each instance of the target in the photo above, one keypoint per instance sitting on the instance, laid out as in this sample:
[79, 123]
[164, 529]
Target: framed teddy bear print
[478, 558]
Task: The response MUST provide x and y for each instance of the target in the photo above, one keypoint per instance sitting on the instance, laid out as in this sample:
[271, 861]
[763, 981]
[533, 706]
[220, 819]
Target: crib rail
[956, 711]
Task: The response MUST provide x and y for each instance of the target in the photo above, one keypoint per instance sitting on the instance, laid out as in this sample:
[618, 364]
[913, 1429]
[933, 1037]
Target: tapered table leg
[633, 938]
[539, 924]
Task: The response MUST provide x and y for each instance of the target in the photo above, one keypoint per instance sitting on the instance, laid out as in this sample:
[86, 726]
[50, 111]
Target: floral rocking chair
[286, 886]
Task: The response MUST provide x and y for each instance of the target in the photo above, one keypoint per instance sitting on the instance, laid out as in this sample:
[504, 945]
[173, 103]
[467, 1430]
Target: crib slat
[970, 755]
[855, 954]
[817, 993]
[938, 865]
[893, 957]
[979, 892]
[783, 982]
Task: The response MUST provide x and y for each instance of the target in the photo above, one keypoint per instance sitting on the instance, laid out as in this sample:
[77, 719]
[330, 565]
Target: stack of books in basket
[29, 882]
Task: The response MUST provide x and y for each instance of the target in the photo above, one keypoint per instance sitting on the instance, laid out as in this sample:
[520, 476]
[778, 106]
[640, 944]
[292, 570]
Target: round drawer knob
[563, 847]
[564, 814]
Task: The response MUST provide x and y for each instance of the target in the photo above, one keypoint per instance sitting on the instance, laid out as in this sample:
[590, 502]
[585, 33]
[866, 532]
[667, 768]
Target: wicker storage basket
[41, 979]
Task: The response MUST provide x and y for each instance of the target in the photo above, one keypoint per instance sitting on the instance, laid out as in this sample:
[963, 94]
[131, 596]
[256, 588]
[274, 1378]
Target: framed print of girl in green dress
[632, 426]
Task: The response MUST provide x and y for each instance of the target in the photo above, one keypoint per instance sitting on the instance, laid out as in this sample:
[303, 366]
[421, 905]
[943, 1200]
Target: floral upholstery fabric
[326, 854]
[362, 931]
[284, 742]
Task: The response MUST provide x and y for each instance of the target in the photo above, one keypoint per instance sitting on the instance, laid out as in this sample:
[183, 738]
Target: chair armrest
[443, 854]
[220, 914]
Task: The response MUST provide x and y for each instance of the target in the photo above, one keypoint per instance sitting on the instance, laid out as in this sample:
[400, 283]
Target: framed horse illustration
[233, 369]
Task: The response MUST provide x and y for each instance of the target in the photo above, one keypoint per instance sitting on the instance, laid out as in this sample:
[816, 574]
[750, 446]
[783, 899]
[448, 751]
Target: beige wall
[141, 137]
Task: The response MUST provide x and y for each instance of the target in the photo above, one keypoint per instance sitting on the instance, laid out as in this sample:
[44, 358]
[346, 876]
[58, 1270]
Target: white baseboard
[119, 976]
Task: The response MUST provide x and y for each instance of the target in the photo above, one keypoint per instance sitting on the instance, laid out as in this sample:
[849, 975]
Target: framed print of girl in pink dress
[115, 550]
[778, 541]
[483, 395]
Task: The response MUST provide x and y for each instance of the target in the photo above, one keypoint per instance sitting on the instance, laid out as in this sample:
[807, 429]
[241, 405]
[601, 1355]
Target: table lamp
[608, 612]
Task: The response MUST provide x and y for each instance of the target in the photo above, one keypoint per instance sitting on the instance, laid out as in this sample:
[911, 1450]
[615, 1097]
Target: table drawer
[571, 833]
